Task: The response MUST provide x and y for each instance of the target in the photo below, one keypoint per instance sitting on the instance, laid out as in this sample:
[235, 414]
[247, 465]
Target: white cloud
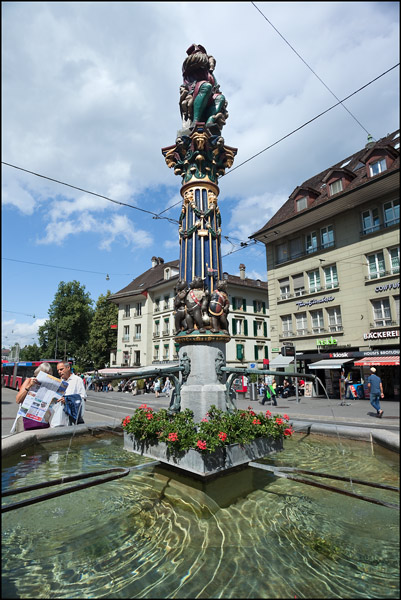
[23, 333]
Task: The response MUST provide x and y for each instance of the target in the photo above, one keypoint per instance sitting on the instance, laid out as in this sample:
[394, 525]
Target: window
[239, 304]
[376, 265]
[166, 329]
[157, 304]
[335, 320]
[299, 284]
[156, 329]
[127, 310]
[166, 352]
[397, 308]
[391, 213]
[336, 187]
[370, 221]
[240, 352]
[167, 273]
[284, 288]
[155, 352]
[317, 321]
[377, 167]
[260, 328]
[295, 248]
[137, 358]
[327, 236]
[258, 352]
[286, 325]
[166, 302]
[381, 312]
[282, 253]
[138, 330]
[311, 242]
[138, 309]
[301, 323]
[394, 260]
[330, 277]
[302, 203]
[314, 281]
[126, 333]
[259, 306]
[125, 358]
[240, 327]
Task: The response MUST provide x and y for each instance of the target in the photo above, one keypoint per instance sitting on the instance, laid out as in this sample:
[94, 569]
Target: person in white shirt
[75, 383]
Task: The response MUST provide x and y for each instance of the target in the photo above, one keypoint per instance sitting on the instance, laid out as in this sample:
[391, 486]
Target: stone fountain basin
[200, 463]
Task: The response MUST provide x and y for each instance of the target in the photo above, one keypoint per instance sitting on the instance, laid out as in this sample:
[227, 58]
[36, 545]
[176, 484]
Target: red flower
[201, 445]
[288, 431]
[286, 417]
[205, 421]
[268, 414]
[149, 416]
[252, 413]
[173, 437]
[243, 414]
[126, 421]
[256, 422]
[144, 406]
[222, 436]
[279, 421]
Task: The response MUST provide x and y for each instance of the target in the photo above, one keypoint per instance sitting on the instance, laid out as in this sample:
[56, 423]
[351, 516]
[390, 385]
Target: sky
[90, 95]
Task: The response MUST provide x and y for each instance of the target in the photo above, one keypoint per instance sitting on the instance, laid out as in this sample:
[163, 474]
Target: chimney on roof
[370, 143]
[155, 261]
[242, 271]
[160, 260]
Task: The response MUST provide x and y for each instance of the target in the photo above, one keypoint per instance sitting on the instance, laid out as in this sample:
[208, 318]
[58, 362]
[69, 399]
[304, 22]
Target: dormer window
[167, 273]
[377, 167]
[301, 203]
[336, 187]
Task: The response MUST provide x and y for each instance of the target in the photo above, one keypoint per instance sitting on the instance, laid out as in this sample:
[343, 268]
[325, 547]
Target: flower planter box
[204, 464]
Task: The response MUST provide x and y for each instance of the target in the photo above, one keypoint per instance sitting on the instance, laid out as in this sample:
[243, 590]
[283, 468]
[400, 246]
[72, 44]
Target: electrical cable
[67, 268]
[310, 68]
[155, 215]
[310, 121]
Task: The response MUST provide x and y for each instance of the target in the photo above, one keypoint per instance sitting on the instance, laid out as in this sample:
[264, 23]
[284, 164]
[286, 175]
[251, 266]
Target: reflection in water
[158, 534]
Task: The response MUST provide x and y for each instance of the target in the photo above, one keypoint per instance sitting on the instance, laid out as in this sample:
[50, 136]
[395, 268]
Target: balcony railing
[333, 328]
[323, 288]
[125, 338]
[156, 334]
[383, 323]
[380, 274]
[310, 250]
[375, 228]
[166, 332]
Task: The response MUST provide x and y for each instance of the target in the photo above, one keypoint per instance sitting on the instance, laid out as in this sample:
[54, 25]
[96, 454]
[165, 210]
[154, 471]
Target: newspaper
[41, 398]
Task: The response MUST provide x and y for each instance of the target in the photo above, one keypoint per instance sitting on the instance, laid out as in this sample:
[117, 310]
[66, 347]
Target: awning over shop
[378, 361]
[280, 361]
[330, 363]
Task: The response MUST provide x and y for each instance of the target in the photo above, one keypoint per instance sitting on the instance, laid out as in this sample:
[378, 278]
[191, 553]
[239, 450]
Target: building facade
[145, 332]
[333, 266]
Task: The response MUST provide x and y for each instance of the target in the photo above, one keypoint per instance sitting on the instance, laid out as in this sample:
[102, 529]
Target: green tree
[67, 328]
[31, 352]
[102, 338]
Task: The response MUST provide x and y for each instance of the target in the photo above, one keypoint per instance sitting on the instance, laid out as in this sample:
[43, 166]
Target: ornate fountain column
[200, 156]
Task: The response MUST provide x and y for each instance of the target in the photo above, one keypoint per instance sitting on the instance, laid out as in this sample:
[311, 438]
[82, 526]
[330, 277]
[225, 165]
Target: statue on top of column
[200, 97]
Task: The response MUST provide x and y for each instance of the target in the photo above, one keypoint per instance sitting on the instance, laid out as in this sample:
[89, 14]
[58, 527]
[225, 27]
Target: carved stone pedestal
[203, 388]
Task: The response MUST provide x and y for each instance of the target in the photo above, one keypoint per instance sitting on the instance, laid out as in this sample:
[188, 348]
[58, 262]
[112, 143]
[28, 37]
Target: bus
[24, 369]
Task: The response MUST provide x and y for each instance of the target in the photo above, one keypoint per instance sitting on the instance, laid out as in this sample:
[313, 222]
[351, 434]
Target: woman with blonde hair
[23, 423]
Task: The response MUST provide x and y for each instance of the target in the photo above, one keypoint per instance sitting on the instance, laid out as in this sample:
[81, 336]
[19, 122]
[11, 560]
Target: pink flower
[172, 437]
[204, 421]
[268, 414]
[222, 436]
[201, 445]
[144, 406]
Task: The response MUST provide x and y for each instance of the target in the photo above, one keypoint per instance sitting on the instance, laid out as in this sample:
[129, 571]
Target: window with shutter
[255, 306]
[240, 352]
[264, 307]
[255, 328]
[266, 352]
[234, 326]
[256, 349]
[265, 329]
[244, 304]
[245, 327]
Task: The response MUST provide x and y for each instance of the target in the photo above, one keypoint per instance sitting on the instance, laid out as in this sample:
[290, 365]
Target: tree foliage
[67, 328]
[101, 338]
[32, 352]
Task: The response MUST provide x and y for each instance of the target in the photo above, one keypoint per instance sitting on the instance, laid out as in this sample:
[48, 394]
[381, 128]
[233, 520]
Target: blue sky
[90, 96]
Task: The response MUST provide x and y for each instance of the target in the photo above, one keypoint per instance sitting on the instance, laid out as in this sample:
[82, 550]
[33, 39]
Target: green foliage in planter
[217, 429]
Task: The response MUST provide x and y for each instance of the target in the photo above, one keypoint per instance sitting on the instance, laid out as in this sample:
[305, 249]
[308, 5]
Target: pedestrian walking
[375, 387]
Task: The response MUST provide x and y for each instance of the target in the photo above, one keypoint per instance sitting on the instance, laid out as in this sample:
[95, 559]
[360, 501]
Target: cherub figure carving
[179, 306]
[196, 302]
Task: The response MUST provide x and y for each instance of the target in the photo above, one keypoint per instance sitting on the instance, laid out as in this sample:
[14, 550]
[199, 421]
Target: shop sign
[315, 301]
[387, 286]
[330, 342]
[131, 345]
[381, 335]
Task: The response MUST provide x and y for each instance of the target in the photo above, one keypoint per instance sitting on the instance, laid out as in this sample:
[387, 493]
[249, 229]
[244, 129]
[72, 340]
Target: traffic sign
[252, 365]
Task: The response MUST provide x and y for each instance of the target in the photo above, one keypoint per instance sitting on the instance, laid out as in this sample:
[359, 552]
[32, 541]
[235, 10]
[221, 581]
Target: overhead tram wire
[310, 121]
[310, 68]
[155, 215]
[67, 268]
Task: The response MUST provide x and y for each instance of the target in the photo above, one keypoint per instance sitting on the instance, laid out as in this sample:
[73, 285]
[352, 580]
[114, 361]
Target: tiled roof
[148, 279]
[155, 276]
[353, 163]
